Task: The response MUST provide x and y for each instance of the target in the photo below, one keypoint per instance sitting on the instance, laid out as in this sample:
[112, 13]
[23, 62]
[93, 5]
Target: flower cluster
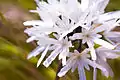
[80, 33]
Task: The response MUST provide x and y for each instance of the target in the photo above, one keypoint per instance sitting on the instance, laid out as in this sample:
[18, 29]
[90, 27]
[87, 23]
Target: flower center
[86, 35]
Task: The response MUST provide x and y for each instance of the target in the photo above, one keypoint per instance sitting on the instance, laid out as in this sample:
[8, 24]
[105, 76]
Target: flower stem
[58, 70]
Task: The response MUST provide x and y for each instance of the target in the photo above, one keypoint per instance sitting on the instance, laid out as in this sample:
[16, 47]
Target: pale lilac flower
[110, 35]
[61, 17]
[102, 55]
[61, 49]
[110, 16]
[87, 12]
[80, 61]
[90, 37]
[45, 43]
[58, 47]
[39, 27]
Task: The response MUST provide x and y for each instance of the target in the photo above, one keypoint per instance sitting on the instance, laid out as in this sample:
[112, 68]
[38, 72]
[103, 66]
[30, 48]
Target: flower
[63, 22]
[86, 13]
[46, 44]
[102, 55]
[80, 61]
[90, 37]
[62, 48]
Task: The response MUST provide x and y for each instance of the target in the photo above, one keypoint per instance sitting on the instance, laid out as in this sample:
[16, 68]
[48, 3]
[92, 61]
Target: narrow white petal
[52, 56]
[113, 34]
[63, 56]
[106, 26]
[42, 56]
[72, 2]
[109, 16]
[81, 72]
[76, 36]
[34, 11]
[63, 1]
[111, 24]
[52, 1]
[92, 50]
[86, 66]
[112, 55]
[32, 38]
[84, 4]
[108, 71]
[64, 60]
[36, 51]
[104, 43]
[73, 67]
[34, 22]
[103, 5]
[93, 54]
[95, 65]
[64, 70]
[100, 29]
[45, 40]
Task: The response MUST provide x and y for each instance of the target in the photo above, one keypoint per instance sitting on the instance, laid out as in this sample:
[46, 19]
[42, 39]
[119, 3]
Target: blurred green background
[14, 49]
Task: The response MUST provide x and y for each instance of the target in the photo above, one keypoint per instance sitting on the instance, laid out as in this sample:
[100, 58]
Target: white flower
[102, 55]
[60, 26]
[86, 13]
[61, 17]
[61, 49]
[108, 26]
[58, 47]
[112, 36]
[44, 44]
[90, 37]
[80, 61]
[108, 16]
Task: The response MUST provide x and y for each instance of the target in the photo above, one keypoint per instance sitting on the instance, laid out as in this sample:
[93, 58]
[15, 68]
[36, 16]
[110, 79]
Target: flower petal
[102, 5]
[42, 56]
[32, 38]
[84, 4]
[53, 55]
[107, 67]
[35, 52]
[52, 1]
[104, 43]
[95, 65]
[112, 34]
[34, 22]
[92, 50]
[64, 70]
[112, 55]
[109, 16]
[45, 41]
[81, 72]
[76, 36]
[63, 56]
[86, 66]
